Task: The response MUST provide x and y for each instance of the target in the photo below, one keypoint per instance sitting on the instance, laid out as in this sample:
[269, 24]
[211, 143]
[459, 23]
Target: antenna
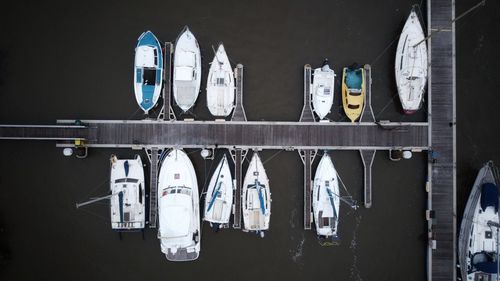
[482, 3]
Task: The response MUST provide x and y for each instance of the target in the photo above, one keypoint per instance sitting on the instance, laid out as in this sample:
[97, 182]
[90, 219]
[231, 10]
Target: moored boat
[256, 197]
[353, 92]
[326, 202]
[127, 198]
[478, 247]
[187, 70]
[178, 208]
[323, 89]
[220, 84]
[219, 197]
[148, 71]
[411, 64]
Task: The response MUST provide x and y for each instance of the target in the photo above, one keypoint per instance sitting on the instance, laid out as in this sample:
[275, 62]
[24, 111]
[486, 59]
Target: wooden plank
[237, 193]
[367, 157]
[153, 188]
[307, 114]
[307, 188]
[168, 112]
[367, 114]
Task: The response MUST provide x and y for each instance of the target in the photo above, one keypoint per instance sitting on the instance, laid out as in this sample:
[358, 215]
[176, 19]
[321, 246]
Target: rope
[272, 156]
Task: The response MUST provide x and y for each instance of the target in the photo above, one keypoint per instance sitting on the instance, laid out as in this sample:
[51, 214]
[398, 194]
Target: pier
[436, 136]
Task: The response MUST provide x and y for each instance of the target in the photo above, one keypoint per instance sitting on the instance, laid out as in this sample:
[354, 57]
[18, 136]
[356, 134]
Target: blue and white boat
[148, 71]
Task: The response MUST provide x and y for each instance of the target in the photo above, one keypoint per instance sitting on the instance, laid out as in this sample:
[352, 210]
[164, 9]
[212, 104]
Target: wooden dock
[442, 140]
[62, 132]
[239, 110]
[307, 114]
[153, 187]
[238, 156]
[367, 157]
[167, 112]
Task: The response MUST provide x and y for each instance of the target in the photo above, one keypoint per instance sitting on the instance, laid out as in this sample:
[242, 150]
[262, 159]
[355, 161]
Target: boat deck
[442, 140]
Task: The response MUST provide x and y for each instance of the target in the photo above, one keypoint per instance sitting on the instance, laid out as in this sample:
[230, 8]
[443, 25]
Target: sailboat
[323, 89]
[411, 64]
[353, 92]
[478, 248]
[326, 201]
[219, 197]
[128, 194]
[220, 84]
[178, 208]
[187, 70]
[256, 198]
[148, 71]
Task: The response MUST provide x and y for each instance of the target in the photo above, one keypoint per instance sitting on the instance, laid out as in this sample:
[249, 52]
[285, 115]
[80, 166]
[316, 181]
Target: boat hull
[220, 85]
[148, 71]
[411, 65]
[187, 70]
[256, 198]
[219, 197]
[178, 208]
[128, 202]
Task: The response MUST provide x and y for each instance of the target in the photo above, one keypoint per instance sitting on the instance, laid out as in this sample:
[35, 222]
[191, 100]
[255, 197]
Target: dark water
[74, 60]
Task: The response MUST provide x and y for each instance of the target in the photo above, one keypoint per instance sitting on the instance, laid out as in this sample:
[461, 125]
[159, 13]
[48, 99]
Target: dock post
[367, 156]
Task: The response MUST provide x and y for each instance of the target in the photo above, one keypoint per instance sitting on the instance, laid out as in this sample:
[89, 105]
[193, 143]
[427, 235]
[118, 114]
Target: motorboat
[353, 92]
[187, 70]
[148, 71]
[178, 208]
[323, 87]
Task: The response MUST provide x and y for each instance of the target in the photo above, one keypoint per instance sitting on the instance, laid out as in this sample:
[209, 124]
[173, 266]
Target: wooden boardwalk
[167, 112]
[442, 138]
[239, 110]
[238, 155]
[153, 187]
[307, 114]
[367, 114]
[367, 157]
[62, 132]
[255, 134]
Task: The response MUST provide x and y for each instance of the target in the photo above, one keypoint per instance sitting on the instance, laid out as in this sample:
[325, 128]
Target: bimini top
[354, 78]
[489, 196]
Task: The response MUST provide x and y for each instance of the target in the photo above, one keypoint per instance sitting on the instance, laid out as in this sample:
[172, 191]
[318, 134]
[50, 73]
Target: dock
[441, 254]
[436, 136]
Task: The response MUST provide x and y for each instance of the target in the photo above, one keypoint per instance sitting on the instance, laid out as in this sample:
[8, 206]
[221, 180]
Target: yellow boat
[353, 92]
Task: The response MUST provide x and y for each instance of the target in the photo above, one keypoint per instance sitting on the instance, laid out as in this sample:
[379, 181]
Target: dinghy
[187, 70]
[148, 71]
[127, 194]
[411, 64]
[256, 199]
[219, 197]
[353, 92]
[178, 208]
[478, 247]
[220, 84]
[323, 89]
[326, 202]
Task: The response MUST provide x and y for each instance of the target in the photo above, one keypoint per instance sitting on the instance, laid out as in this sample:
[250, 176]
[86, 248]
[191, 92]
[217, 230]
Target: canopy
[486, 267]
[353, 78]
[489, 196]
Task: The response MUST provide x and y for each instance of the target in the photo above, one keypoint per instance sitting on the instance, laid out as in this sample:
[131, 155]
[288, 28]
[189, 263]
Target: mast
[78, 205]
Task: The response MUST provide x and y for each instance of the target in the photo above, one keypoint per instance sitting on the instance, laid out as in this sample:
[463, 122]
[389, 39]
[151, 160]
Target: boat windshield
[126, 180]
[177, 189]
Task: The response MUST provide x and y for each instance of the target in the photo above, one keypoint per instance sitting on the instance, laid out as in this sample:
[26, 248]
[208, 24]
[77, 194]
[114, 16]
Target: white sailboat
[187, 70]
[479, 233]
[326, 201]
[411, 64]
[127, 194]
[220, 84]
[219, 197]
[323, 89]
[178, 208]
[256, 198]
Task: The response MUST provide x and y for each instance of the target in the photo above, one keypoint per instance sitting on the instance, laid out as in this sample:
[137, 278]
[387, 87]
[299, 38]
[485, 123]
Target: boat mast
[78, 205]
[482, 3]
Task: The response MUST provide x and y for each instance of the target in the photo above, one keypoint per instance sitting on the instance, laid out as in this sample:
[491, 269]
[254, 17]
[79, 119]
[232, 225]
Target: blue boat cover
[120, 202]
[330, 196]
[261, 197]
[486, 267]
[489, 196]
[214, 196]
[354, 78]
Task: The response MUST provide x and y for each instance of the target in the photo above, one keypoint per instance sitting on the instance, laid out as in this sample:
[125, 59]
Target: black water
[74, 60]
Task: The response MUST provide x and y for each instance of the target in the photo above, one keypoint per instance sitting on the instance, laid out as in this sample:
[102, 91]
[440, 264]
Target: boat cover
[489, 196]
[486, 267]
[353, 78]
